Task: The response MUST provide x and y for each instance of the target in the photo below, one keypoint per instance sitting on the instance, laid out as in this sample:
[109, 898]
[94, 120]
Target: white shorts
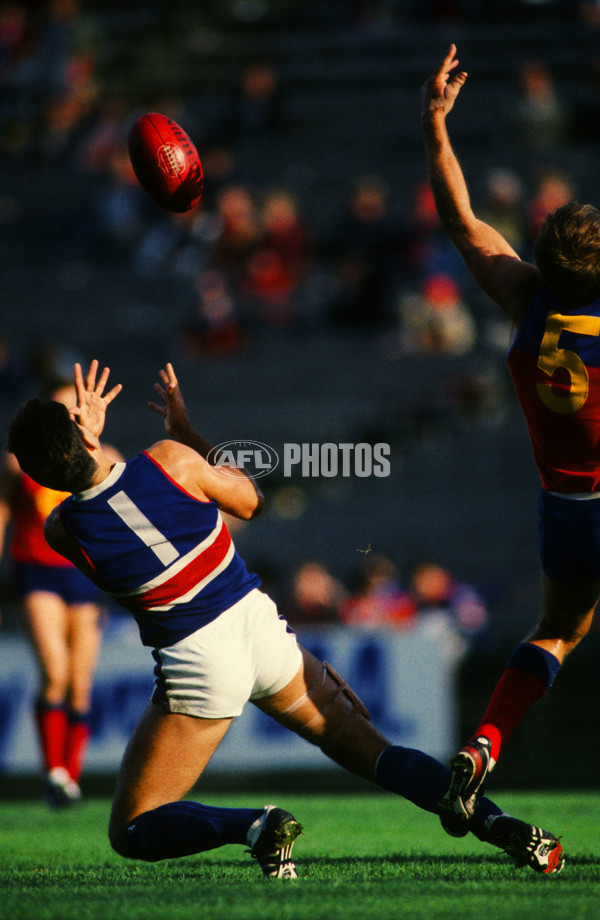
[247, 653]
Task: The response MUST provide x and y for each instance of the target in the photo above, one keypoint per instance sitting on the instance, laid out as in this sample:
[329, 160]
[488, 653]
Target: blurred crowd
[378, 595]
[252, 254]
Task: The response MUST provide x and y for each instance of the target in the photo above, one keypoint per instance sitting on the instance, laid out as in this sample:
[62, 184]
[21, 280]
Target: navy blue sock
[183, 828]
[422, 780]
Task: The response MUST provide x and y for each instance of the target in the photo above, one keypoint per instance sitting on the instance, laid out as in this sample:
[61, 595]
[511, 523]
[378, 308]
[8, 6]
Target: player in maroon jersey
[555, 365]
[61, 612]
[217, 645]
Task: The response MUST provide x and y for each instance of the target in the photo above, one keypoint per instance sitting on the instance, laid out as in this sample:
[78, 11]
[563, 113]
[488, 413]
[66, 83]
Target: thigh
[46, 623]
[568, 609]
[164, 758]
[319, 706]
[85, 638]
[569, 539]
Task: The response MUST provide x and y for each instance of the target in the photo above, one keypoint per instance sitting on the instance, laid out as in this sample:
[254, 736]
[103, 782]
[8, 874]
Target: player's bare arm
[62, 543]
[186, 461]
[491, 260]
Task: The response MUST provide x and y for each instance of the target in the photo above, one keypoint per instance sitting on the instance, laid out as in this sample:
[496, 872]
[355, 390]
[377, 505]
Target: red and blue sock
[52, 726]
[529, 674]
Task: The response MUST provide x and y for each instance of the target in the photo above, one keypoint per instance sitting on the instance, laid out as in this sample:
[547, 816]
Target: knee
[54, 684]
[568, 631]
[120, 838]
[335, 720]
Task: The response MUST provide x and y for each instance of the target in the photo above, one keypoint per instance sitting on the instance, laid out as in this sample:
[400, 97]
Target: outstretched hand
[92, 402]
[172, 410]
[441, 89]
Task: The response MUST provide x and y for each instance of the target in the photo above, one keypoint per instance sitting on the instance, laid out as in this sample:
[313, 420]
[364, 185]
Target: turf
[361, 856]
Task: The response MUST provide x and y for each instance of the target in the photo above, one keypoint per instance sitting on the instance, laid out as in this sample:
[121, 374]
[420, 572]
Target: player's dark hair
[567, 253]
[49, 446]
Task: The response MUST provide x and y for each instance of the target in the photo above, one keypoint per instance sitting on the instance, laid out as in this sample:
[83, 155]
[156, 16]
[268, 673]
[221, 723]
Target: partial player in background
[555, 365]
[61, 617]
[150, 532]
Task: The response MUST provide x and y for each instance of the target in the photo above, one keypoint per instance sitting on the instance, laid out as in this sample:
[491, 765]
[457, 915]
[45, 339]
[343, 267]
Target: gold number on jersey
[552, 358]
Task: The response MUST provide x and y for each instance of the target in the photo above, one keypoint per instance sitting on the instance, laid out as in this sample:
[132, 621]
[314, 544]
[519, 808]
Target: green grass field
[361, 857]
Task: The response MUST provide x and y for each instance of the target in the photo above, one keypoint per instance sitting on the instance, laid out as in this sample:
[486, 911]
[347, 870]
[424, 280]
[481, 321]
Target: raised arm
[230, 488]
[491, 260]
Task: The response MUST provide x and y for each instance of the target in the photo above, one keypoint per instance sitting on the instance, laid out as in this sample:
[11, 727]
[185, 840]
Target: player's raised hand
[172, 408]
[92, 402]
[440, 90]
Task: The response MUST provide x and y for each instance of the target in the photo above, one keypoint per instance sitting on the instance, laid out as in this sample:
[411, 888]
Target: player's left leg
[529, 674]
[534, 664]
[166, 755]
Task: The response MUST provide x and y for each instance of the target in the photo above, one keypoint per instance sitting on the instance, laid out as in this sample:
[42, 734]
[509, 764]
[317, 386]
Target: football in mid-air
[166, 162]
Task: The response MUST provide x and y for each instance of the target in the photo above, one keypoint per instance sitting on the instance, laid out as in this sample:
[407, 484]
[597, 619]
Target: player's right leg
[318, 705]
[46, 624]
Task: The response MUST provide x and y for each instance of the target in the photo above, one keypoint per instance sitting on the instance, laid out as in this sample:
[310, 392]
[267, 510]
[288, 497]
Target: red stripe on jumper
[184, 580]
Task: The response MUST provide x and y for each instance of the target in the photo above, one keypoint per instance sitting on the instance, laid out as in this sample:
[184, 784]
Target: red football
[166, 162]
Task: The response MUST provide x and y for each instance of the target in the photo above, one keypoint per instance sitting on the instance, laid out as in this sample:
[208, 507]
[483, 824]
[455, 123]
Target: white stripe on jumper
[174, 569]
[131, 515]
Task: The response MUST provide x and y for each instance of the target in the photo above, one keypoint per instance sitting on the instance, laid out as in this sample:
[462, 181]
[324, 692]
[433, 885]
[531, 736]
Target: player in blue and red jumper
[555, 366]
[149, 531]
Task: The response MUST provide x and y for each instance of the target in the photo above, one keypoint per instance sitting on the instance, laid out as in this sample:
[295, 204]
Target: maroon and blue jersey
[161, 553]
[555, 366]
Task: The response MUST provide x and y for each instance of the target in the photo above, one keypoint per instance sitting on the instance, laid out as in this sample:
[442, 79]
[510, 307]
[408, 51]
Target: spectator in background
[589, 11]
[15, 35]
[117, 218]
[504, 206]
[177, 244]
[436, 319]
[70, 108]
[238, 233]
[277, 270]
[425, 249]
[380, 600]
[61, 617]
[219, 165]
[214, 328]
[435, 590]
[423, 232]
[254, 114]
[362, 252]
[314, 598]
[540, 115]
[552, 189]
[65, 32]
[105, 137]
[11, 374]
[17, 78]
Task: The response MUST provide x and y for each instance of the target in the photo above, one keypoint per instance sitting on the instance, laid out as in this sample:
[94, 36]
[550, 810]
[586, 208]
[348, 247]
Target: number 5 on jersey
[551, 358]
